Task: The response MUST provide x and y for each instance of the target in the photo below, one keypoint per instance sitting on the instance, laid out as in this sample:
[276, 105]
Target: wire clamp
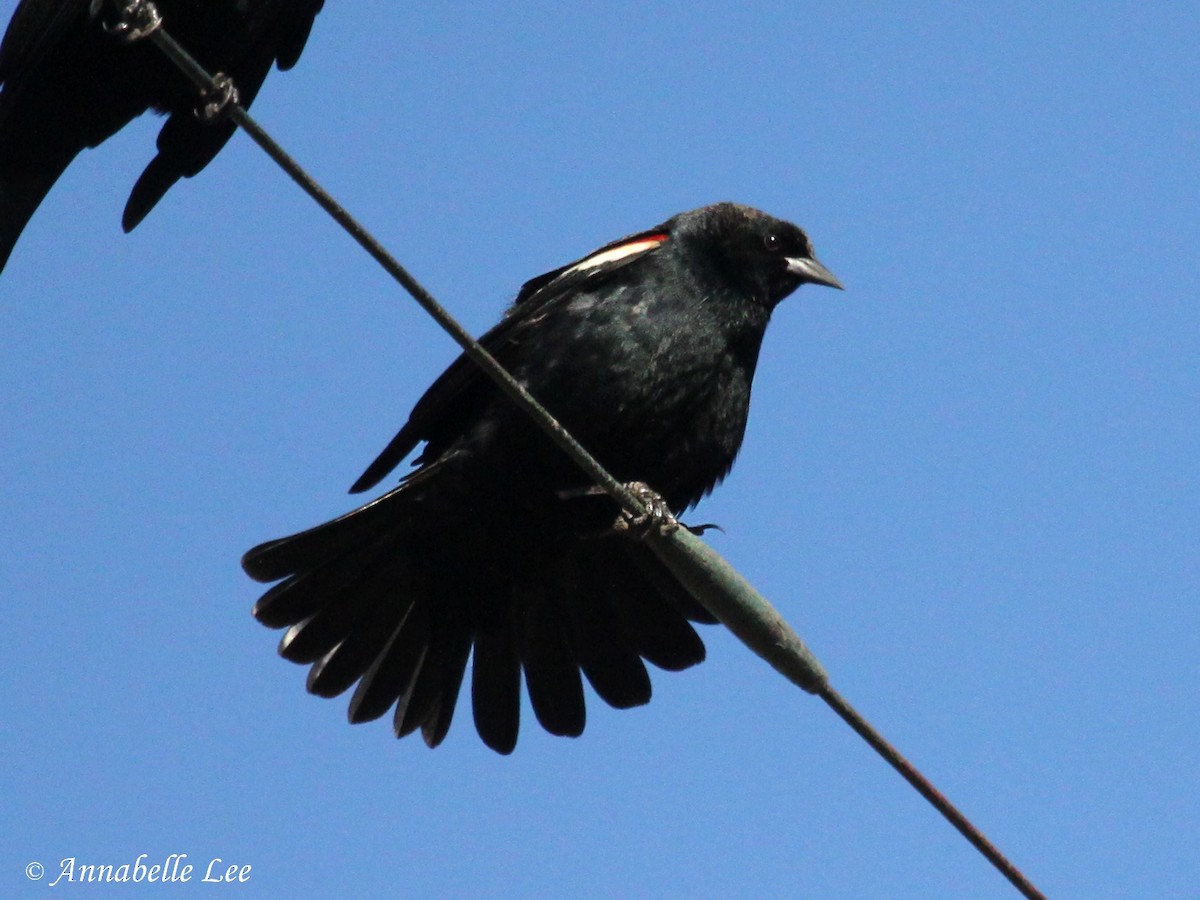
[136, 20]
[215, 101]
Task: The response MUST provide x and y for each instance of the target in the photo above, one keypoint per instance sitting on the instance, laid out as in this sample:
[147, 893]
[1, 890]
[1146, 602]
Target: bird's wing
[596, 267]
[459, 392]
[36, 28]
[294, 34]
[272, 33]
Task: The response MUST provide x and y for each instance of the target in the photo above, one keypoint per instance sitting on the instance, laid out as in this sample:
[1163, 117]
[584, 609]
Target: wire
[698, 567]
[926, 789]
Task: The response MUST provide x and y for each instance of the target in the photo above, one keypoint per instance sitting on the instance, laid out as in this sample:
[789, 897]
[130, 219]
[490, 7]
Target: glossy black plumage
[645, 350]
[66, 84]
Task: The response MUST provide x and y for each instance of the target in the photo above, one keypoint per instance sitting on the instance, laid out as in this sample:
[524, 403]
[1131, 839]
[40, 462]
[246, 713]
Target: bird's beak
[813, 272]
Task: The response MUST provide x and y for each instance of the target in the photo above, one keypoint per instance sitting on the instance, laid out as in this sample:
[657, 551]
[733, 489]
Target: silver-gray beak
[811, 271]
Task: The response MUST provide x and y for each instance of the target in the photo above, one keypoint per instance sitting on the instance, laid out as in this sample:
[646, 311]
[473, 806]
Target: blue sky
[970, 481]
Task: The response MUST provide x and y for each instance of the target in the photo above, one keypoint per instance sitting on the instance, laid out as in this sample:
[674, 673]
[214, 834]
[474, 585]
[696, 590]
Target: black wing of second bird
[67, 85]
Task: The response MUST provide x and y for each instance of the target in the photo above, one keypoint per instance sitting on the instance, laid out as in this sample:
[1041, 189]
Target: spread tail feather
[386, 598]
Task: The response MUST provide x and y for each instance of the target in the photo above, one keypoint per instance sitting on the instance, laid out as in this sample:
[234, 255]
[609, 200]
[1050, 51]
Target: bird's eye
[772, 243]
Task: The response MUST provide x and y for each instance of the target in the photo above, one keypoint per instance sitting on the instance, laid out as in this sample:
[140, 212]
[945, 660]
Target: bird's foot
[657, 516]
[216, 100]
[136, 19]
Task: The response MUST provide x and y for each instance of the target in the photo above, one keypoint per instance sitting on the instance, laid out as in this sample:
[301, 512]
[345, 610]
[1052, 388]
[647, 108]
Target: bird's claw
[136, 19]
[216, 100]
[657, 516]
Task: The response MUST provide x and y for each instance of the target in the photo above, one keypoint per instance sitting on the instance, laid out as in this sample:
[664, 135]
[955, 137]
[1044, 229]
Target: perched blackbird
[645, 351]
[68, 84]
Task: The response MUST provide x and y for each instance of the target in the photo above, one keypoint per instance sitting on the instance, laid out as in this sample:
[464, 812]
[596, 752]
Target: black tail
[23, 187]
[388, 599]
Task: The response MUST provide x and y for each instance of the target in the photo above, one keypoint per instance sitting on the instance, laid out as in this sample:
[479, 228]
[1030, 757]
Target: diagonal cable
[698, 567]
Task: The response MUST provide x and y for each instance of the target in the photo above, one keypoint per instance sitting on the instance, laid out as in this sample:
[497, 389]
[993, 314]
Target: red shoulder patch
[615, 252]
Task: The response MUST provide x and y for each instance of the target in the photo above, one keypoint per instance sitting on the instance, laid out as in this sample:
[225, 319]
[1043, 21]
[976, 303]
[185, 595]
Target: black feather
[551, 670]
[496, 682]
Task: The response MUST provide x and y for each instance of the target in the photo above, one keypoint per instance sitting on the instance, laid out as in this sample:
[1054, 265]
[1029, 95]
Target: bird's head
[767, 256]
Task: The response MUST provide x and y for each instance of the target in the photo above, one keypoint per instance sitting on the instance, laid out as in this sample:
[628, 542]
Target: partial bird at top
[67, 83]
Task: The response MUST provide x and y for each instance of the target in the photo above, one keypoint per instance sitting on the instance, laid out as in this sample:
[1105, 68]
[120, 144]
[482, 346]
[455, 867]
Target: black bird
[645, 350]
[67, 84]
